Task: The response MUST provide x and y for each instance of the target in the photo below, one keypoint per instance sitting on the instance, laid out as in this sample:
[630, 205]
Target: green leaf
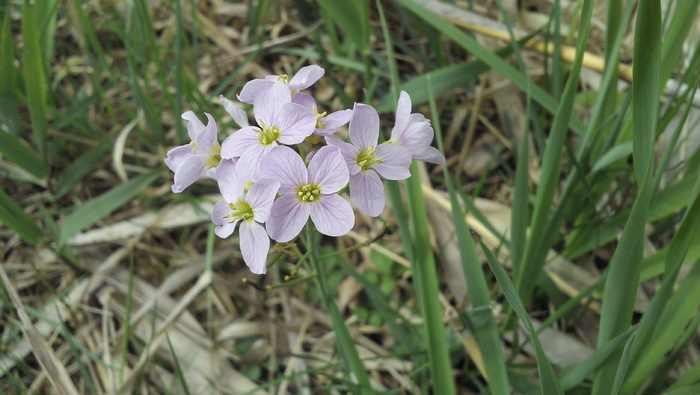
[16, 152]
[549, 381]
[8, 99]
[14, 217]
[79, 168]
[101, 206]
[348, 14]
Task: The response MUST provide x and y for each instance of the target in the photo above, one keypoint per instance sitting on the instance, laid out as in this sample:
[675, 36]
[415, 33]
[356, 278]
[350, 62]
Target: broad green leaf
[94, 210]
[14, 217]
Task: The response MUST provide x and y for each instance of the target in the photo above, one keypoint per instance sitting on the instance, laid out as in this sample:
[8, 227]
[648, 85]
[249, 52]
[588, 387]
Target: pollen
[308, 193]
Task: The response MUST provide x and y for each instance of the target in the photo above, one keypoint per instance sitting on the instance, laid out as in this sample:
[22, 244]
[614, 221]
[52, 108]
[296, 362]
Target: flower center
[284, 78]
[308, 193]
[366, 159]
[239, 210]
[214, 157]
[269, 134]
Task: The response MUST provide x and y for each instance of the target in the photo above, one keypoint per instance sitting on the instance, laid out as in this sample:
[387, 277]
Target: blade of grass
[16, 152]
[92, 211]
[487, 334]
[8, 87]
[622, 367]
[625, 265]
[14, 217]
[550, 384]
[180, 373]
[80, 167]
[35, 82]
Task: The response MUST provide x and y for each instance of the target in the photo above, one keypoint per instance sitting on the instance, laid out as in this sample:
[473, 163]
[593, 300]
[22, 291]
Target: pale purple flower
[308, 192]
[413, 131]
[304, 78]
[250, 208]
[367, 161]
[280, 120]
[190, 161]
[235, 111]
[326, 125]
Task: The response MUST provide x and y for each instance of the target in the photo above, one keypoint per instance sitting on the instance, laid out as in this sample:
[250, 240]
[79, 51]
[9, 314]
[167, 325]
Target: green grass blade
[349, 17]
[13, 150]
[678, 28]
[35, 81]
[180, 373]
[487, 334]
[14, 217]
[549, 381]
[97, 208]
[80, 167]
[622, 368]
[8, 97]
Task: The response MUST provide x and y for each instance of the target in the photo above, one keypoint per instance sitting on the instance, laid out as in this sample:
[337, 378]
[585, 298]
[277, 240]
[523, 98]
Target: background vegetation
[557, 251]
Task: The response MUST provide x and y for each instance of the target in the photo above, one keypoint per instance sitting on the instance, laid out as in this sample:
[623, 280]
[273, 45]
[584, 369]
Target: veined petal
[252, 89]
[235, 111]
[207, 137]
[230, 183]
[177, 155]
[220, 209]
[328, 170]
[431, 155]
[395, 161]
[248, 164]
[349, 153]
[260, 197]
[364, 126]
[194, 125]
[287, 218]
[286, 166]
[417, 135]
[255, 244]
[305, 77]
[240, 142]
[333, 122]
[295, 123]
[226, 229]
[187, 173]
[269, 102]
[333, 215]
[304, 100]
[403, 110]
[367, 192]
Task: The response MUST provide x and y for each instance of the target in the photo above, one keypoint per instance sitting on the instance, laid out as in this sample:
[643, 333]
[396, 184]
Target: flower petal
[286, 166]
[240, 142]
[206, 138]
[333, 122]
[230, 183]
[431, 155]
[194, 125]
[305, 77]
[367, 192]
[304, 100]
[403, 110]
[255, 244]
[417, 135]
[328, 170]
[364, 126]
[260, 197]
[287, 218]
[252, 89]
[224, 228]
[187, 173]
[177, 155]
[333, 215]
[235, 111]
[248, 164]
[296, 123]
[395, 161]
[349, 152]
[269, 103]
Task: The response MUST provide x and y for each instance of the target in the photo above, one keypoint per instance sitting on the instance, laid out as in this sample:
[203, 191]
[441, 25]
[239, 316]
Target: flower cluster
[270, 189]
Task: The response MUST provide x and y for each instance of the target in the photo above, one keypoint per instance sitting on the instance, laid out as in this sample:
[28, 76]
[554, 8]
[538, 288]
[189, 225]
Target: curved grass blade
[14, 217]
[13, 150]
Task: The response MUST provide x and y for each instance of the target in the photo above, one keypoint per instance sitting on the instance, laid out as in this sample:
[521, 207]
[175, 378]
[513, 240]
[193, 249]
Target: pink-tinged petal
[252, 89]
[403, 110]
[255, 244]
[268, 104]
[364, 126]
[220, 209]
[418, 134]
[249, 162]
[240, 142]
[260, 197]
[431, 155]
[349, 153]
[187, 173]
[367, 192]
[328, 170]
[207, 138]
[304, 100]
[226, 229]
[177, 155]
[305, 77]
[296, 123]
[395, 161]
[287, 218]
[194, 125]
[235, 111]
[333, 122]
[333, 215]
[286, 166]
[230, 183]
